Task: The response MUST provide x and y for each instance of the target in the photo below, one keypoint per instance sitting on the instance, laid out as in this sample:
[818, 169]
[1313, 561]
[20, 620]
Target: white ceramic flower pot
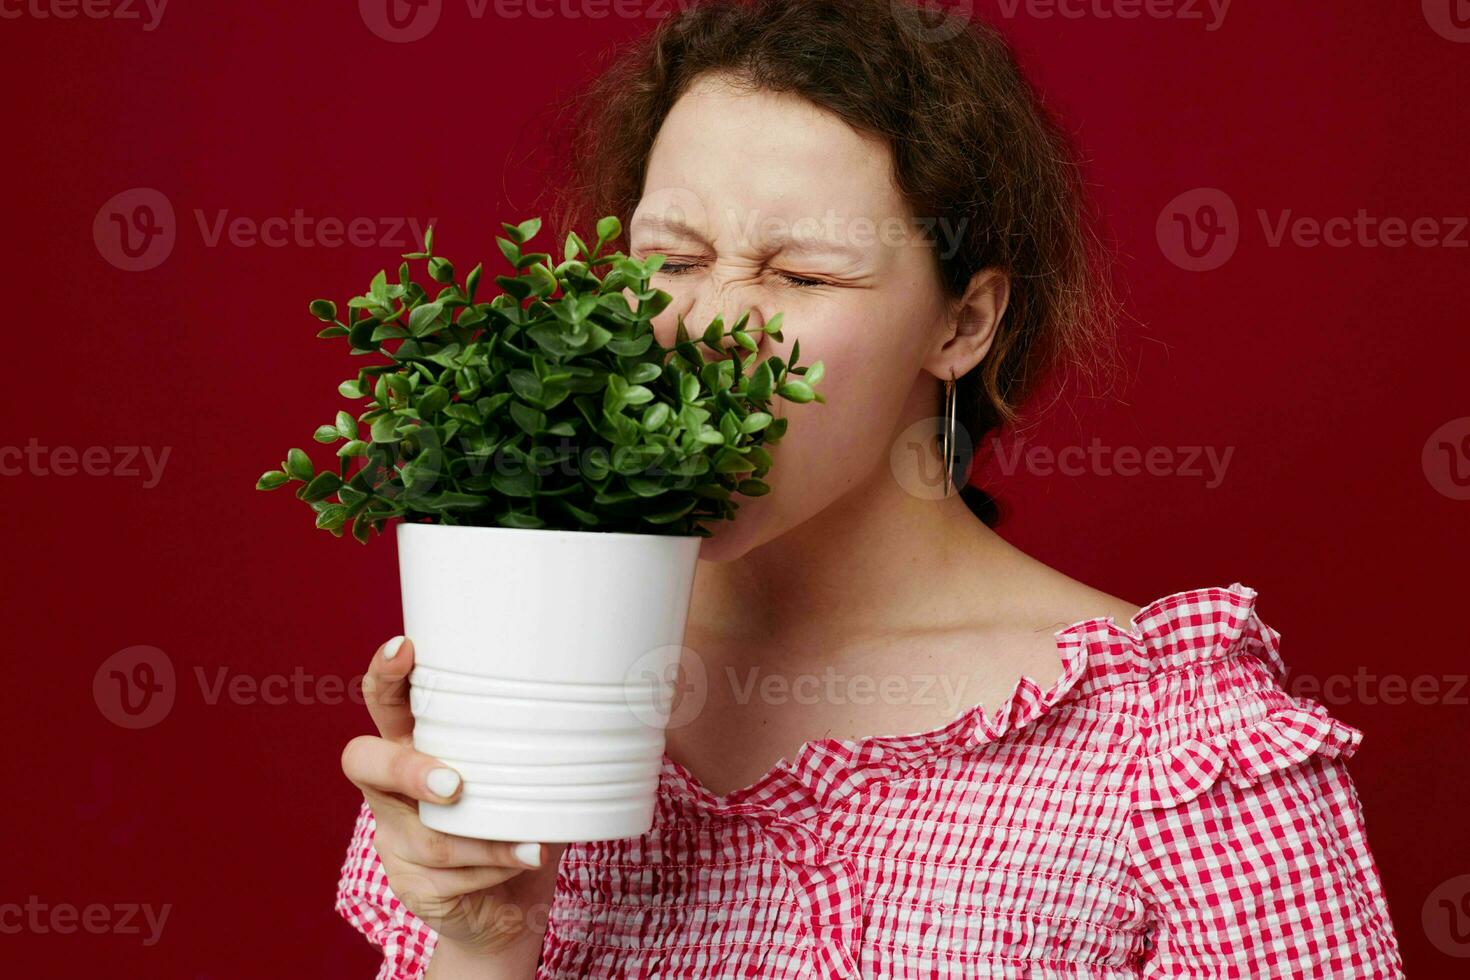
[543, 673]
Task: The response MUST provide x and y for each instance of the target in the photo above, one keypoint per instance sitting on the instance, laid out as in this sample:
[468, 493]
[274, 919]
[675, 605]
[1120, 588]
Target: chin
[735, 539]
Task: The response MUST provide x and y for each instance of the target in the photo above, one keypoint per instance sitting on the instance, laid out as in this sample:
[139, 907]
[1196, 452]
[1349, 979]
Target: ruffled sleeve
[1247, 833]
[369, 905]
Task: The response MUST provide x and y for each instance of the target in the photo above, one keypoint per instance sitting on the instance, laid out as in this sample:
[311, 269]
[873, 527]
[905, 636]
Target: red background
[1326, 369]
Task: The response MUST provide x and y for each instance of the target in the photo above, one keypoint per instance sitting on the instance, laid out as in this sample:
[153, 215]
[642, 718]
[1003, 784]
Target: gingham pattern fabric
[1165, 809]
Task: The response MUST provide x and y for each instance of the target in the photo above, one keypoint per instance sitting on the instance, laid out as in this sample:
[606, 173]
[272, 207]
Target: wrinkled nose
[730, 305]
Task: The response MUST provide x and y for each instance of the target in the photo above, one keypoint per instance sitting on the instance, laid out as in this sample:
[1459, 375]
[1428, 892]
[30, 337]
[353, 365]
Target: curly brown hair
[974, 151]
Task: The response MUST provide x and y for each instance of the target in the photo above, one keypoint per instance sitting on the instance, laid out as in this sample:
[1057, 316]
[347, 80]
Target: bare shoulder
[1076, 601]
[1046, 600]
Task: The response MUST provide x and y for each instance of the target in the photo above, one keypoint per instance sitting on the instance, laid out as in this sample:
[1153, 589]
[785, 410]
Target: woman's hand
[487, 900]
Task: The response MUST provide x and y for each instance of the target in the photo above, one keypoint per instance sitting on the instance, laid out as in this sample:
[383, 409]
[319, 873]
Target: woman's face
[765, 202]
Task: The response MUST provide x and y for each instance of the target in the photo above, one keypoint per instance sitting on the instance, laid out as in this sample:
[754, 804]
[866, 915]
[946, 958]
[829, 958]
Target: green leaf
[385, 429]
[298, 464]
[754, 488]
[323, 485]
[347, 425]
[426, 319]
[755, 421]
[530, 420]
[272, 480]
[732, 462]
[644, 373]
[714, 334]
[324, 310]
[519, 482]
[656, 416]
[528, 229]
[796, 390]
[433, 401]
[326, 433]
[608, 229]
[332, 517]
[543, 282]
[671, 515]
[759, 388]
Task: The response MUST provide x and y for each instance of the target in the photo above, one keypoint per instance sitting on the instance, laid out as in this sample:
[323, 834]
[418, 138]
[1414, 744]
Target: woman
[1110, 801]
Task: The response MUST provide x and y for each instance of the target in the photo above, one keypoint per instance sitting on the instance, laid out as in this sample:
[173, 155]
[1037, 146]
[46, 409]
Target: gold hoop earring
[948, 434]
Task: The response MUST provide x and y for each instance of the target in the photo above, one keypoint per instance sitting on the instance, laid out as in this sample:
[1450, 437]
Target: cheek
[871, 365]
[869, 372]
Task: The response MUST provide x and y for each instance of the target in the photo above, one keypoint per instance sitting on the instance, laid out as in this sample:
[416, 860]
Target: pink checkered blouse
[1165, 809]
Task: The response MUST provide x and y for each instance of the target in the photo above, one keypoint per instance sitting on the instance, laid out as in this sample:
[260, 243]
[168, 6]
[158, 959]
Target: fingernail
[390, 649]
[528, 854]
[443, 782]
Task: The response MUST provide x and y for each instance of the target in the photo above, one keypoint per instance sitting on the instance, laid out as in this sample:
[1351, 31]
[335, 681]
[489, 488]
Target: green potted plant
[553, 469]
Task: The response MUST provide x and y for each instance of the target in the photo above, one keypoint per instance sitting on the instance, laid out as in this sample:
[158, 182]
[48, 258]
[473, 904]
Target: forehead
[733, 157]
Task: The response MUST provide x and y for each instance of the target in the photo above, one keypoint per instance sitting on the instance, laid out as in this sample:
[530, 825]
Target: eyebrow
[777, 244]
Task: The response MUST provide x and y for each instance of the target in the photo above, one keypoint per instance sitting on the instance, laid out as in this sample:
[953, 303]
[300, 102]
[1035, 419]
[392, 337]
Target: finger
[385, 689]
[430, 848]
[376, 764]
[435, 891]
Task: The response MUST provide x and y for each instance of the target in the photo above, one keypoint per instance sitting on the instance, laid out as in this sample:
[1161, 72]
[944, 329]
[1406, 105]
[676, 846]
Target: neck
[879, 560]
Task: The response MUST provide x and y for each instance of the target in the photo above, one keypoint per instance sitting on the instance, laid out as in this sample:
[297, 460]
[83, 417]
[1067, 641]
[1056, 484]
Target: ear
[970, 324]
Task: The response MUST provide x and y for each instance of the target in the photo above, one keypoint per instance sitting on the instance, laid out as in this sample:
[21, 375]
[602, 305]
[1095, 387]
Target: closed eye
[677, 267]
[799, 281]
